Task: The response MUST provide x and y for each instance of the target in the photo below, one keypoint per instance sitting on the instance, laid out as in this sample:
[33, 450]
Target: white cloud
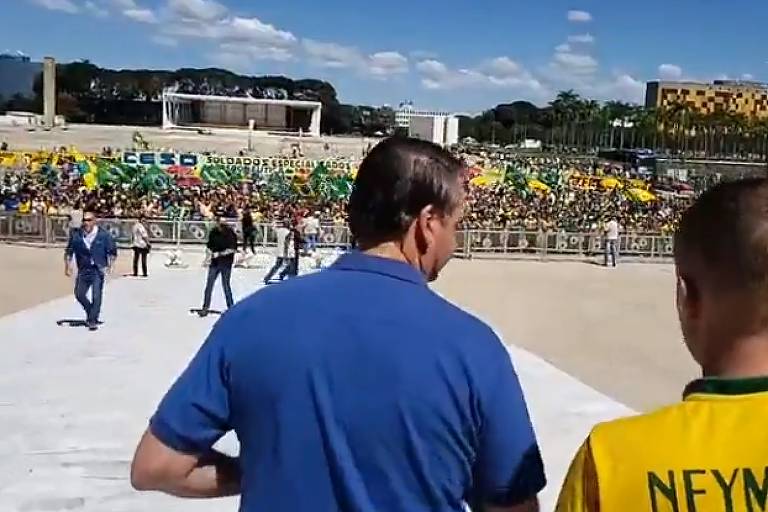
[579, 16]
[337, 56]
[254, 30]
[622, 87]
[500, 72]
[502, 67]
[125, 4]
[747, 76]
[582, 38]
[95, 9]
[248, 36]
[58, 5]
[203, 10]
[565, 47]
[670, 72]
[257, 53]
[140, 15]
[575, 63]
[384, 64]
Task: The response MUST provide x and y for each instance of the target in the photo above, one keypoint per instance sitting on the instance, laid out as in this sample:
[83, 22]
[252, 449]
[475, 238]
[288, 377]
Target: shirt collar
[361, 262]
[728, 387]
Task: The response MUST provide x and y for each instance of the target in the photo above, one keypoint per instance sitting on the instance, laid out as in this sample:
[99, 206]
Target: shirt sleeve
[580, 492]
[509, 469]
[195, 413]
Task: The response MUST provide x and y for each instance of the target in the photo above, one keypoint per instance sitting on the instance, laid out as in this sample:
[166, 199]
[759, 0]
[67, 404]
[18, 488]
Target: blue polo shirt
[358, 389]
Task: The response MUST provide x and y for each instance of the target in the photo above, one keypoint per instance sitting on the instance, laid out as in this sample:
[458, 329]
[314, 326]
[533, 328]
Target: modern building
[17, 75]
[406, 111]
[438, 129]
[737, 97]
[432, 125]
[197, 110]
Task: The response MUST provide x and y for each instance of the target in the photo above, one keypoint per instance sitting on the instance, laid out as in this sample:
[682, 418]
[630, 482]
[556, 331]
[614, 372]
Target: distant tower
[49, 92]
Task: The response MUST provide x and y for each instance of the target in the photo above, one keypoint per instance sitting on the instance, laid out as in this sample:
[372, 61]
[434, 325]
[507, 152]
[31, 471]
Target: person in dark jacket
[293, 250]
[222, 245]
[249, 231]
[94, 251]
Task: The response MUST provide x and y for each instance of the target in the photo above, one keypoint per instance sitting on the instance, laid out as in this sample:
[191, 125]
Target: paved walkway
[73, 403]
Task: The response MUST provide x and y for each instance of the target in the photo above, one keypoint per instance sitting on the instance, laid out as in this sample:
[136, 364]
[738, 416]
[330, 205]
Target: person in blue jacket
[94, 251]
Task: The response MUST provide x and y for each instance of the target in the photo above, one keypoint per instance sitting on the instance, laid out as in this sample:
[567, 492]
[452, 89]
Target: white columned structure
[314, 125]
[197, 110]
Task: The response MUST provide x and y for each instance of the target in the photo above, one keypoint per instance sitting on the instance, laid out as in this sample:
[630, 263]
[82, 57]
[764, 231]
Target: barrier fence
[469, 243]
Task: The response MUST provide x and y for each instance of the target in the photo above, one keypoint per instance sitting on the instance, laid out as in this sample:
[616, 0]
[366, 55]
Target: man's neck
[747, 357]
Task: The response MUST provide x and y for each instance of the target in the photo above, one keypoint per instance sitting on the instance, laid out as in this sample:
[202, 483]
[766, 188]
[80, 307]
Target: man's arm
[580, 491]
[157, 467]
[509, 472]
[175, 455]
[68, 253]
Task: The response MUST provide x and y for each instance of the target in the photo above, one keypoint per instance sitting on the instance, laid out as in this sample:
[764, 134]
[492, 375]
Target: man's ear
[425, 232]
[688, 297]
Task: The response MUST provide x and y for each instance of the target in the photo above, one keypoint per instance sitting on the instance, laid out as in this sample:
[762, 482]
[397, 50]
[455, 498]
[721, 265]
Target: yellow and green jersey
[707, 453]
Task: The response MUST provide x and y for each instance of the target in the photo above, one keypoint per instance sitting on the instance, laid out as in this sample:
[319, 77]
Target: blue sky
[451, 54]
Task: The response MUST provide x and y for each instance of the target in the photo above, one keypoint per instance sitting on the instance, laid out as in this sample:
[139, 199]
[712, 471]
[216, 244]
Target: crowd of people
[505, 204]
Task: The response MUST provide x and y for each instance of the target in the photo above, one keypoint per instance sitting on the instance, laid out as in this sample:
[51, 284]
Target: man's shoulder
[639, 426]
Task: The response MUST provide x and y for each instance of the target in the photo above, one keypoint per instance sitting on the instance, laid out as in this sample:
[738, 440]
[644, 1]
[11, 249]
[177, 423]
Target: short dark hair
[724, 235]
[398, 178]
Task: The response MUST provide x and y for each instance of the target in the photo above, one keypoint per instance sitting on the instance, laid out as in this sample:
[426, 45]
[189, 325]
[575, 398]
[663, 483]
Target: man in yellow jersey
[710, 451]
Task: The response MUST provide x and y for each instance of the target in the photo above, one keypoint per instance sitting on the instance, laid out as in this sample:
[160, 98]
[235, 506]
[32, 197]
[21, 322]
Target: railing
[469, 243]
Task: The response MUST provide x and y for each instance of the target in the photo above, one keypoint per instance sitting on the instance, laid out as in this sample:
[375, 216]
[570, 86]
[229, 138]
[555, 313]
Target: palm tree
[564, 108]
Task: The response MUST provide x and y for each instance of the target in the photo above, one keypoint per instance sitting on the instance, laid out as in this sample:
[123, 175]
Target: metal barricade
[333, 236]
[562, 242]
[192, 231]
[469, 242]
[639, 245]
[24, 227]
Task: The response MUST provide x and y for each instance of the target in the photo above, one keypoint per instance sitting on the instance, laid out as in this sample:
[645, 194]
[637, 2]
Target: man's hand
[67, 270]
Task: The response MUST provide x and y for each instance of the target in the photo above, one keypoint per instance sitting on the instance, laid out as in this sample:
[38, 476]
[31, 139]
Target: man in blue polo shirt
[395, 400]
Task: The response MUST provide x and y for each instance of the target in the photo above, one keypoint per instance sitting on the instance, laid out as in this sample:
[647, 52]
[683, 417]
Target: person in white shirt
[311, 230]
[282, 233]
[611, 247]
[141, 246]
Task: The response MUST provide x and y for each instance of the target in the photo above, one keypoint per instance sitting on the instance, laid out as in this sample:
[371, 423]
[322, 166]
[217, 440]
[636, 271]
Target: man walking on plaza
[283, 233]
[311, 229]
[396, 401]
[249, 231]
[94, 251]
[141, 245]
[709, 451]
[611, 235]
[222, 245]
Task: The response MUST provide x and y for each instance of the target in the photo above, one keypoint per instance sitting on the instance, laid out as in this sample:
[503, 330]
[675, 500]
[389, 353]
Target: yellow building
[736, 97]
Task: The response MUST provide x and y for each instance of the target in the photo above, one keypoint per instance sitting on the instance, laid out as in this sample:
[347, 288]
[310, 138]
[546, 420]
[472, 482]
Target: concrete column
[314, 125]
[166, 112]
[49, 92]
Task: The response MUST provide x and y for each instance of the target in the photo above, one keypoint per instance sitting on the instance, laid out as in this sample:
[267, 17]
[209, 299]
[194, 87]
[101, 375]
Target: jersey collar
[728, 387]
[361, 262]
